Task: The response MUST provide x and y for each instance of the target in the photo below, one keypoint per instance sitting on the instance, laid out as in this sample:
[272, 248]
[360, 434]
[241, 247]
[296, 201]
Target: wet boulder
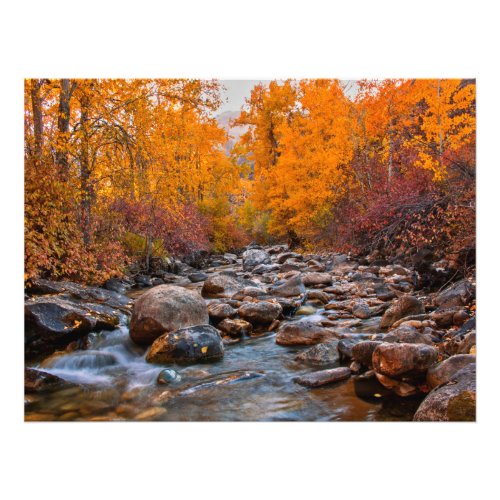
[38, 381]
[235, 327]
[403, 360]
[323, 377]
[304, 333]
[406, 305]
[260, 313]
[320, 354]
[163, 309]
[441, 373]
[55, 321]
[187, 345]
[290, 288]
[253, 257]
[455, 401]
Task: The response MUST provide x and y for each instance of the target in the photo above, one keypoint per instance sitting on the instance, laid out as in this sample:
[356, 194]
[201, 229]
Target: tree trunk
[36, 102]
[85, 184]
[63, 126]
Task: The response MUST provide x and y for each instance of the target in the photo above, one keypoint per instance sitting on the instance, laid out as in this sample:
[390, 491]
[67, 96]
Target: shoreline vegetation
[121, 174]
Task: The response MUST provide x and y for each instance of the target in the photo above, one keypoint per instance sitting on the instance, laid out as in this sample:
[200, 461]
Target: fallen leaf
[204, 349]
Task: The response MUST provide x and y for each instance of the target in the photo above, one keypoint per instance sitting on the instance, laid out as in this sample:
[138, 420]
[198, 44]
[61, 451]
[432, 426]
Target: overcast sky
[235, 93]
[237, 90]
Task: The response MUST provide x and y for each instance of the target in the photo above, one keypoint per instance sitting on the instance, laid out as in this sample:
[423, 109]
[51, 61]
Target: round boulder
[397, 360]
[187, 345]
[260, 313]
[163, 309]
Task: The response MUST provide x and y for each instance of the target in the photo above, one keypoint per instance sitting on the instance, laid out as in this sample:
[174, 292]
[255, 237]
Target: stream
[253, 382]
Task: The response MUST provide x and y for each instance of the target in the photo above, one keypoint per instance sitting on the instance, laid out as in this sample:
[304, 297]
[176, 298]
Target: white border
[255, 40]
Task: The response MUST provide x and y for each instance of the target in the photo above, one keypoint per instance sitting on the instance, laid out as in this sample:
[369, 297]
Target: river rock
[362, 352]
[290, 288]
[304, 333]
[168, 377]
[52, 322]
[197, 277]
[187, 345]
[265, 268]
[283, 257]
[441, 373]
[454, 401]
[253, 257]
[398, 360]
[323, 377]
[314, 279]
[445, 318]
[38, 381]
[163, 309]
[218, 312]
[260, 313]
[361, 310]
[235, 327]
[222, 285]
[458, 294]
[81, 292]
[406, 305]
[320, 354]
[408, 335]
[346, 345]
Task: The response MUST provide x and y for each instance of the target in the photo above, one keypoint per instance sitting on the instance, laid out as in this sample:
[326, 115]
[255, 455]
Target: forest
[120, 174]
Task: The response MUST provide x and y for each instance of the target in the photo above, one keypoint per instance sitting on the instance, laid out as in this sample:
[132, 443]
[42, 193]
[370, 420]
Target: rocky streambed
[269, 335]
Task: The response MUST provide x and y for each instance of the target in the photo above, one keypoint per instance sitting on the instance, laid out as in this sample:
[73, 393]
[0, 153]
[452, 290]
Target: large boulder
[406, 305]
[85, 293]
[323, 377]
[187, 345]
[163, 309]
[403, 360]
[290, 288]
[454, 401]
[52, 322]
[259, 313]
[441, 373]
[304, 333]
[314, 279]
[458, 294]
[253, 257]
[223, 285]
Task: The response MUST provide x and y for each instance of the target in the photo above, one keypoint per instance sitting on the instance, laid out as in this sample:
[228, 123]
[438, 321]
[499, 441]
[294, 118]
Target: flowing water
[253, 382]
